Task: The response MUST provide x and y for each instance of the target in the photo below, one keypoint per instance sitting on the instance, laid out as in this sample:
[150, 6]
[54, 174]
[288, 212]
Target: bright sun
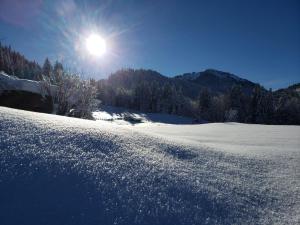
[96, 45]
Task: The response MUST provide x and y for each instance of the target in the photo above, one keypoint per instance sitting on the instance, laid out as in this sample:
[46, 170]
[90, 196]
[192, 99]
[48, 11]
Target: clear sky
[258, 39]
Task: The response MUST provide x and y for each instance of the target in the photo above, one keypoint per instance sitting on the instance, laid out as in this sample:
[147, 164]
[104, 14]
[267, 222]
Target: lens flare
[96, 45]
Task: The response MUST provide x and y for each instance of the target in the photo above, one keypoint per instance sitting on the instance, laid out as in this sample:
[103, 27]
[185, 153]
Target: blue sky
[258, 40]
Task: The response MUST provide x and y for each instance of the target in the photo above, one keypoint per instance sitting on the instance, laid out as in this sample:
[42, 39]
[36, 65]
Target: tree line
[148, 91]
[14, 63]
[70, 94]
[162, 96]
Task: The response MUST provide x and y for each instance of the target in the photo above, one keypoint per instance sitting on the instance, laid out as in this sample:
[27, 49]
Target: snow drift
[60, 170]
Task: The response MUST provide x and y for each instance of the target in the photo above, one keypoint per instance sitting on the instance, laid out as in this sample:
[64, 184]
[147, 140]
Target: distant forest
[231, 100]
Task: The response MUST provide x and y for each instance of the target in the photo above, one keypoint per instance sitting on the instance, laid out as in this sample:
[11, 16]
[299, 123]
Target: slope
[217, 81]
[58, 170]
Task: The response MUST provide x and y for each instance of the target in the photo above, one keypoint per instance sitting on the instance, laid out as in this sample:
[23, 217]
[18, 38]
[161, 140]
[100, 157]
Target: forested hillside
[230, 98]
[16, 64]
[208, 96]
[218, 81]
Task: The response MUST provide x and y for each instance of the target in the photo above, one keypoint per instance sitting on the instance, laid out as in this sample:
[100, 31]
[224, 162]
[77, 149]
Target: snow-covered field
[60, 170]
[116, 115]
[230, 137]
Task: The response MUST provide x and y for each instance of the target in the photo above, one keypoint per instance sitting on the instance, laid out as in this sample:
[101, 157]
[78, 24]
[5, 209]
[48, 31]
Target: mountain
[210, 95]
[295, 88]
[291, 92]
[190, 84]
[128, 79]
[150, 91]
[217, 81]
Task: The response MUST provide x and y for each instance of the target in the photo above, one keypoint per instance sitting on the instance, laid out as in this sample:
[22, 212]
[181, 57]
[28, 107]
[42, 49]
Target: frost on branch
[73, 96]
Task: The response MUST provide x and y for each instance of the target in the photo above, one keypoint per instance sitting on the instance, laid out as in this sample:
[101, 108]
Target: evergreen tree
[13, 63]
[204, 104]
[47, 69]
[255, 102]
[57, 72]
[238, 102]
[262, 106]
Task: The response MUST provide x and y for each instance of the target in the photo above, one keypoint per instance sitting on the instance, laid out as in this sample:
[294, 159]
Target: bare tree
[75, 97]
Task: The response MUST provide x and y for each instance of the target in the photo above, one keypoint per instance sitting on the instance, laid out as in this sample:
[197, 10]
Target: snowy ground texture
[117, 114]
[59, 170]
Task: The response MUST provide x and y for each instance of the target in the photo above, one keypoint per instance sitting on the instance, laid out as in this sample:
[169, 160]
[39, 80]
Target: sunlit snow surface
[60, 170]
[231, 137]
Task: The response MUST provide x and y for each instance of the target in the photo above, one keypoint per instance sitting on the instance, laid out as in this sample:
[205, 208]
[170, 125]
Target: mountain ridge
[191, 84]
[218, 81]
[219, 73]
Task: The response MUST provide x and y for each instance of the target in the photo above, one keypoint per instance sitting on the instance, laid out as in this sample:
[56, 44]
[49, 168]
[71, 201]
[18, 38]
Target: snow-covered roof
[9, 83]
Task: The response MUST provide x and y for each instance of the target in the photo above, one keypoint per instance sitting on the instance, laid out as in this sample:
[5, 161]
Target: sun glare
[96, 45]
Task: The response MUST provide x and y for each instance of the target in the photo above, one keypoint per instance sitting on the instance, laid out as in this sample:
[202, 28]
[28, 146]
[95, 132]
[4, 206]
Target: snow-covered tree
[75, 97]
[57, 72]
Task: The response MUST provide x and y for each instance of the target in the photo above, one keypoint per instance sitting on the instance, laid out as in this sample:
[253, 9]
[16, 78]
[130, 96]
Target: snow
[10, 83]
[230, 137]
[226, 137]
[60, 170]
[116, 115]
